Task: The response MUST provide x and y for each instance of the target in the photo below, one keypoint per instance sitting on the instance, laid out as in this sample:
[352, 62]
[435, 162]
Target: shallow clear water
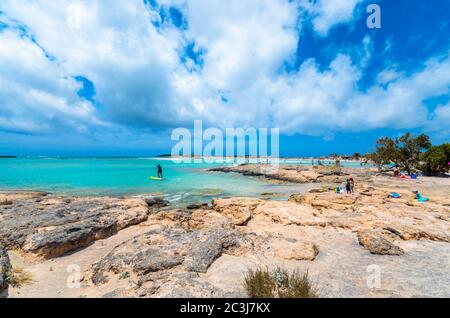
[184, 182]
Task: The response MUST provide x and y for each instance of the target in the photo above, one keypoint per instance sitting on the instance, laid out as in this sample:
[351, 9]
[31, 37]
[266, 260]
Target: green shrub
[124, 275]
[436, 159]
[278, 284]
[405, 151]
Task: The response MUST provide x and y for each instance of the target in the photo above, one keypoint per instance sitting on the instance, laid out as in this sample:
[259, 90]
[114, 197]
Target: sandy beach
[129, 247]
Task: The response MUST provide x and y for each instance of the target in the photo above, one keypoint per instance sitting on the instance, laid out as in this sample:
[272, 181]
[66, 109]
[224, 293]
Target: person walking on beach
[160, 172]
[347, 187]
[352, 186]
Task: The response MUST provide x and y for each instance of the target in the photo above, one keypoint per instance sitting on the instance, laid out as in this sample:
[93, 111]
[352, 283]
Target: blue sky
[115, 78]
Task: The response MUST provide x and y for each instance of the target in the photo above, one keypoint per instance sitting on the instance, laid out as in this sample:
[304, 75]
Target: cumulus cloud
[35, 96]
[158, 65]
[439, 122]
[327, 14]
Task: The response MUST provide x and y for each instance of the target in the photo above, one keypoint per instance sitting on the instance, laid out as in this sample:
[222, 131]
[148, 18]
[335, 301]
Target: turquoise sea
[184, 182]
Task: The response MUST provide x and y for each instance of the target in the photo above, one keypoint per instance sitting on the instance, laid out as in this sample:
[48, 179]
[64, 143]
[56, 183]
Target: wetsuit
[160, 173]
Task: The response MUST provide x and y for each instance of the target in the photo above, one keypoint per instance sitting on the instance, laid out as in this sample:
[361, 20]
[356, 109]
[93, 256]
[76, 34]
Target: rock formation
[51, 226]
[163, 257]
[5, 269]
[205, 250]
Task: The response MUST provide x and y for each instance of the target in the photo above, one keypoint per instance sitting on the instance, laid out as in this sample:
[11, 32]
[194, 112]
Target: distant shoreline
[322, 158]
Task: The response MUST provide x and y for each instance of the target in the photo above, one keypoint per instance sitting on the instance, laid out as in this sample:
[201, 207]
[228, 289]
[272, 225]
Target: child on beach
[419, 197]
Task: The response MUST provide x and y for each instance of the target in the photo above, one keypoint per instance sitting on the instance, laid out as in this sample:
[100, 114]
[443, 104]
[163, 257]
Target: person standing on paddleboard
[160, 172]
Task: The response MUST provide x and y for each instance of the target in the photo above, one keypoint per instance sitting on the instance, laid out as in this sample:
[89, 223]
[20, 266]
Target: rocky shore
[296, 173]
[128, 247]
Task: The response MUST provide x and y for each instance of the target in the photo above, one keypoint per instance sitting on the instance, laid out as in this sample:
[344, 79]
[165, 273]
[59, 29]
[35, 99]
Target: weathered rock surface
[157, 202]
[268, 213]
[285, 173]
[197, 206]
[322, 201]
[50, 226]
[5, 269]
[291, 249]
[205, 251]
[207, 247]
[377, 244]
[371, 209]
[238, 212]
[163, 260]
[7, 197]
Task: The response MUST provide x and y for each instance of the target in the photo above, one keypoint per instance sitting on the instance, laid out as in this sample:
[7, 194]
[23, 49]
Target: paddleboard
[155, 178]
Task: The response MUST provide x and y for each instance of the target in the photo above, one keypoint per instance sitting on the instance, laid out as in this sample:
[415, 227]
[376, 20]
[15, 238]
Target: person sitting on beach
[419, 197]
[160, 172]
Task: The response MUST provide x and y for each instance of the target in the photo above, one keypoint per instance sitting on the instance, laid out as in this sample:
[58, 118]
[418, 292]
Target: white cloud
[35, 96]
[439, 122]
[328, 13]
[141, 83]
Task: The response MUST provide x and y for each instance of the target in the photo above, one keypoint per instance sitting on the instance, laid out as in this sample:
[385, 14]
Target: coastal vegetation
[18, 277]
[412, 154]
[436, 160]
[278, 283]
[5, 202]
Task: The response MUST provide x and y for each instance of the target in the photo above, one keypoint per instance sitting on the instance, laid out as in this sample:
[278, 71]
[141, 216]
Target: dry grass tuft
[279, 284]
[19, 277]
[5, 202]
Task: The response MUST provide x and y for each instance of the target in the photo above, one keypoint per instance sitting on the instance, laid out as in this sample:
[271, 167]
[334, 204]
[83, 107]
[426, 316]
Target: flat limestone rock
[293, 250]
[203, 219]
[207, 247]
[238, 212]
[165, 257]
[189, 287]
[267, 211]
[7, 197]
[325, 200]
[48, 227]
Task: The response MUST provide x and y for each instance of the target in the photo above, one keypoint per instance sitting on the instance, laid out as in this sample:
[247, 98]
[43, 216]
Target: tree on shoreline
[436, 160]
[404, 152]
